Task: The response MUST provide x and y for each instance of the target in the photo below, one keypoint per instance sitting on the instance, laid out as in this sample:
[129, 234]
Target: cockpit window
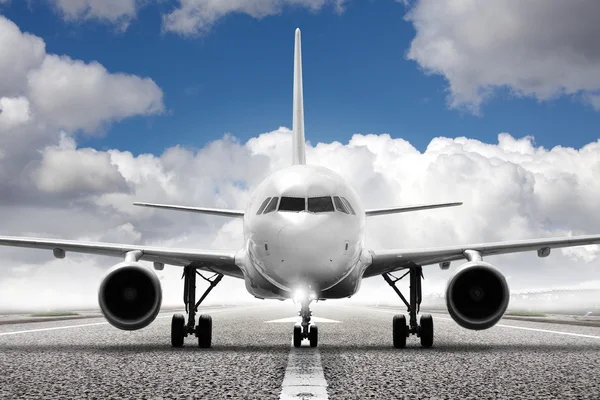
[263, 205]
[347, 203]
[320, 204]
[339, 205]
[272, 205]
[292, 204]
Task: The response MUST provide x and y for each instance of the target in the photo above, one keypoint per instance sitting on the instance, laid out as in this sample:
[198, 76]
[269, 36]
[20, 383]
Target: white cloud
[64, 93]
[198, 16]
[83, 171]
[74, 95]
[13, 112]
[44, 96]
[19, 53]
[541, 49]
[114, 11]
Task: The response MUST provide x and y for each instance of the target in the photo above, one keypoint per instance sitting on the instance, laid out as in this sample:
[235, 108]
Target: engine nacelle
[477, 295]
[130, 296]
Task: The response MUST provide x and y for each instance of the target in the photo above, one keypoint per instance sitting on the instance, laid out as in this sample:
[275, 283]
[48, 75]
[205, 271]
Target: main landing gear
[305, 330]
[400, 331]
[203, 331]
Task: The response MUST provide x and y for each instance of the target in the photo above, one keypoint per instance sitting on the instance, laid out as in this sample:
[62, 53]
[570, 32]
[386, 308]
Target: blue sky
[237, 78]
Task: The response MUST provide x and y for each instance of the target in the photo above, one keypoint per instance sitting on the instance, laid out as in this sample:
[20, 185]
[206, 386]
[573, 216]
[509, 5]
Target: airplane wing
[222, 262]
[391, 260]
[201, 210]
[401, 209]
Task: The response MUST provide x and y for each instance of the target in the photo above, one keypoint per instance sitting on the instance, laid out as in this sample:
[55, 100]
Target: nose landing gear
[203, 331]
[400, 331]
[306, 330]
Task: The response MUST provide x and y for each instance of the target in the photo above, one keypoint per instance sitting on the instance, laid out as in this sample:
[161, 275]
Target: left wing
[201, 210]
[222, 262]
[383, 261]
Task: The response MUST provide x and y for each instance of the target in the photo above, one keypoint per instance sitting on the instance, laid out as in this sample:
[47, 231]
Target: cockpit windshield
[347, 203]
[292, 204]
[320, 204]
[272, 205]
[263, 205]
[340, 206]
[312, 204]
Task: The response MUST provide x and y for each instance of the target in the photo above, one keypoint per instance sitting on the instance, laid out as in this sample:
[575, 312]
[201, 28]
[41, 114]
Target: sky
[106, 102]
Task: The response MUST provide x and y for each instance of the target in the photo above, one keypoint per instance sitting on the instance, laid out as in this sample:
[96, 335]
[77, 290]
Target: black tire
[177, 330]
[426, 330]
[297, 336]
[399, 331]
[204, 331]
[313, 336]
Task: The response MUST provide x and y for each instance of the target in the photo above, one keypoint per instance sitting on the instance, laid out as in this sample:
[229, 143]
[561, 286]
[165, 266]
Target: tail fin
[299, 155]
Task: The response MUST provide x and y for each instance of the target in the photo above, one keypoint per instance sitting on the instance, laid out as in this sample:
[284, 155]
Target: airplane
[304, 239]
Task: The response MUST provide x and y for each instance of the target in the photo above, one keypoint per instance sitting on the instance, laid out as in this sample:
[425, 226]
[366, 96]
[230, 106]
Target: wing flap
[390, 260]
[217, 261]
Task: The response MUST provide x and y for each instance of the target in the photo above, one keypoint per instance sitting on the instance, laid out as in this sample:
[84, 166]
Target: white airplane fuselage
[286, 251]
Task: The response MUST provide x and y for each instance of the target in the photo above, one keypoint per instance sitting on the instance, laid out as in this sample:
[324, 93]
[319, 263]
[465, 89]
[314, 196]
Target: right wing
[383, 261]
[401, 209]
[222, 262]
[202, 210]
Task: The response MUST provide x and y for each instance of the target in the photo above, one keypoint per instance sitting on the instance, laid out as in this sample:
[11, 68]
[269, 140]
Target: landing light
[301, 295]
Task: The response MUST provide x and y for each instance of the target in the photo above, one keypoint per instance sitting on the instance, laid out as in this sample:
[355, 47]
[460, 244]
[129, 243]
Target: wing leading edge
[222, 262]
[383, 261]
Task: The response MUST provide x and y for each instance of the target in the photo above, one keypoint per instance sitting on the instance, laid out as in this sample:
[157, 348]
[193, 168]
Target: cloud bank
[541, 48]
[193, 17]
[188, 17]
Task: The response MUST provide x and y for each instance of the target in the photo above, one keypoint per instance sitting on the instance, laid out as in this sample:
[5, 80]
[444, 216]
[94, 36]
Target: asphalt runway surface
[254, 359]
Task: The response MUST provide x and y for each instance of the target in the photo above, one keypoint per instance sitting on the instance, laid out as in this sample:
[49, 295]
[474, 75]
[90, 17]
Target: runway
[253, 359]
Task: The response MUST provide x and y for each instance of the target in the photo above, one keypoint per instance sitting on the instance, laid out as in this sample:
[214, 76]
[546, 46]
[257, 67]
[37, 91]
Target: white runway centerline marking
[304, 377]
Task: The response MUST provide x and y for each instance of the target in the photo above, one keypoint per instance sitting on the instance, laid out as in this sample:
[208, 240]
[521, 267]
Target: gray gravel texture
[499, 363]
[249, 358]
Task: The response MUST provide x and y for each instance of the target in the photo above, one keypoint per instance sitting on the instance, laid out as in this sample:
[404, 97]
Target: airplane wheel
[426, 330]
[399, 331]
[177, 330]
[297, 336]
[313, 336]
[204, 331]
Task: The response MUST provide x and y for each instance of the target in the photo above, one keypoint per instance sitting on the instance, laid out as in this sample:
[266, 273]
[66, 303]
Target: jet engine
[130, 295]
[477, 295]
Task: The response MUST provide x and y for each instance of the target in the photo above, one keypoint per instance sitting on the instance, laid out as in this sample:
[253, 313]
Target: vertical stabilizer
[299, 155]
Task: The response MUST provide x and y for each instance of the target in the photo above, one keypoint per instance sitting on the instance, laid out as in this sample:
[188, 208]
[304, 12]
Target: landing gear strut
[203, 331]
[306, 330]
[400, 330]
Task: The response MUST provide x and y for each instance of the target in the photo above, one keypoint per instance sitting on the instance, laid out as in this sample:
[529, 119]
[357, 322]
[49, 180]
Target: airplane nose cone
[311, 252]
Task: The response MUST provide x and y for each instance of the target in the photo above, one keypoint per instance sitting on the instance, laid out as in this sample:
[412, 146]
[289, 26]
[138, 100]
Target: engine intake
[477, 295]
[130, 296]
